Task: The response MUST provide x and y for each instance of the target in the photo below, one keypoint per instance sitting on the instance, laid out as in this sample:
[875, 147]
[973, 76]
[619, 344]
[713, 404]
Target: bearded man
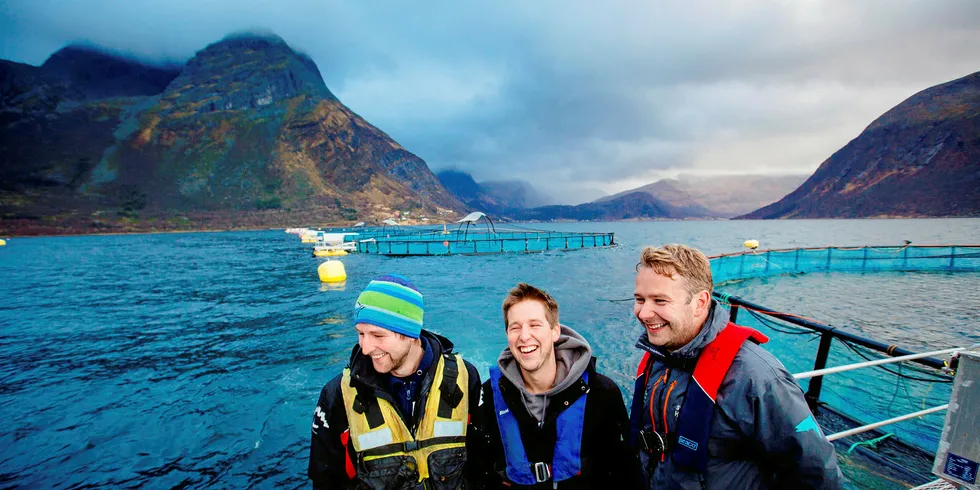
[399, 415]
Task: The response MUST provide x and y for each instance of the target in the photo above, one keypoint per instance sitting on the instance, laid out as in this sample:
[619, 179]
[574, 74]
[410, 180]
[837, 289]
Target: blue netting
[870, 394]
[744, 265]
[460, 242]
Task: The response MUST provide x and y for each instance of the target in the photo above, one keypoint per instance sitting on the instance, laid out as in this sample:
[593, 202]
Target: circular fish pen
[842, 308]
[476, 235]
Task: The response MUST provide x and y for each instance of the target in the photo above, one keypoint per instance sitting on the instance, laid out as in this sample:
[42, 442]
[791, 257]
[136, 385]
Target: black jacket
[607, 461]
[327, 467]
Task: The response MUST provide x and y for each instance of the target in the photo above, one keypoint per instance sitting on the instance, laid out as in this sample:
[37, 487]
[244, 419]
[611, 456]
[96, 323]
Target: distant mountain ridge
[669, 192]
[246, 134]
[496, 197]
[719, 196]
[512, 202]
[919, 159]
[636, 205]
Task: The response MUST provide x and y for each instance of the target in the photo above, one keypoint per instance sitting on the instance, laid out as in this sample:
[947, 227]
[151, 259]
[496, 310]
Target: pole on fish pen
[816, 384]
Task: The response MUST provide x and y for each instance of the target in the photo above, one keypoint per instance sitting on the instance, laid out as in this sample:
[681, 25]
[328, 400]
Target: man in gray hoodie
[552, 421]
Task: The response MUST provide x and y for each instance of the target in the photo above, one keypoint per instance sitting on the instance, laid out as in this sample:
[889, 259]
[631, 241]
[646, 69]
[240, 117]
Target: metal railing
[827, 335]
[879, 362]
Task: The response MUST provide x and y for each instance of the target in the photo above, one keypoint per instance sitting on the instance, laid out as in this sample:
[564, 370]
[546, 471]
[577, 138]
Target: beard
[390, 362]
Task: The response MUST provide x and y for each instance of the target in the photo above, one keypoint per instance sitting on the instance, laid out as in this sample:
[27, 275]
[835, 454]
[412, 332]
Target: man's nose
[525, 333]
[366, 344]
[647, 311]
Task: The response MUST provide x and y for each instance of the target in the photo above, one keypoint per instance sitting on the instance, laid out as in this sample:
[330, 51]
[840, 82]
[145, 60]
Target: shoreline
[338, 225]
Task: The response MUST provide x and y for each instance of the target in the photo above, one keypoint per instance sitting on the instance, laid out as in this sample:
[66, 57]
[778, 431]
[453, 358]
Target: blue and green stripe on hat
[391, 302]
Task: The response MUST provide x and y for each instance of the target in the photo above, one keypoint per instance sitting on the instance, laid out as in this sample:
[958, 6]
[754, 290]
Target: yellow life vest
[378, 432]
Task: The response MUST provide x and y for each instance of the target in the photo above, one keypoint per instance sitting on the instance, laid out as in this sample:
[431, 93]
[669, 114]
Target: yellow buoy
[335, 252]
[332, 271]
[2, 242]
[753, 244]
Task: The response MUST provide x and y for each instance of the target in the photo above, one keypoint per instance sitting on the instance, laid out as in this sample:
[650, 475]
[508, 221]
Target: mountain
[669, 192]
[732, 195]
[510, 200]
[246, 134]
[461, 184]
[721, 196]
[637, 205]
[494, 197]
[919, 159]
[98, 74]
[516, 193]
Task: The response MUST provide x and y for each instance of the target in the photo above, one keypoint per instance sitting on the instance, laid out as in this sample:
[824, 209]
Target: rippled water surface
[196, 359]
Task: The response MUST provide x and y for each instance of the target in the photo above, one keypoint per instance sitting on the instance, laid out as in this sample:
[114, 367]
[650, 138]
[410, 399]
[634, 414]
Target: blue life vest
[567, 459]
[694, 422]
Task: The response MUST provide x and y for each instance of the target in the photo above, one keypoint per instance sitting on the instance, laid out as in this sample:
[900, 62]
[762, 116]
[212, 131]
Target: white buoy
[753, 244]
[332, 271]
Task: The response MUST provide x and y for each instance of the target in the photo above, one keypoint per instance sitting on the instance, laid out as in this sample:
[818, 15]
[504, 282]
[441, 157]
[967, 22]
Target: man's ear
[555, 332]
[703, 303]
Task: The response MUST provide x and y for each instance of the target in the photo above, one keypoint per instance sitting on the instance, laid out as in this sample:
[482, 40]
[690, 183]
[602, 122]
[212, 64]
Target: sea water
[196, 359]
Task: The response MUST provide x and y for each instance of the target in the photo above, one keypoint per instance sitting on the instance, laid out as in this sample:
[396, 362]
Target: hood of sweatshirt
[572, 357]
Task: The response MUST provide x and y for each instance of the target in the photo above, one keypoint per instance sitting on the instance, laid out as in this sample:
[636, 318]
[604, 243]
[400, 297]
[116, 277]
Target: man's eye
[638, 300]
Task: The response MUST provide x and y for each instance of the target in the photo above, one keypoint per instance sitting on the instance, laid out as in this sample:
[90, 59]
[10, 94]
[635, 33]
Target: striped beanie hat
[393, 303]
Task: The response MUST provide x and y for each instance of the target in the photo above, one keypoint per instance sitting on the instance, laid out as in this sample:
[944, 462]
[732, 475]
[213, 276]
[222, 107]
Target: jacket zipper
[664, 394]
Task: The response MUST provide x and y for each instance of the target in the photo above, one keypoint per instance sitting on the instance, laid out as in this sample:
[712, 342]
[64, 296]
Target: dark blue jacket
[762, 434]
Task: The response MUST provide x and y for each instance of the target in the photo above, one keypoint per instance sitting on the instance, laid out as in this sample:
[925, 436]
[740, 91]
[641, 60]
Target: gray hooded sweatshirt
[572, 356]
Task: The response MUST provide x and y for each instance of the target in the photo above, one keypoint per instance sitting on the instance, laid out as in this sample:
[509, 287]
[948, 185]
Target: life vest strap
[697, 413]
[367, 404]
[451, 395]
[407, 447]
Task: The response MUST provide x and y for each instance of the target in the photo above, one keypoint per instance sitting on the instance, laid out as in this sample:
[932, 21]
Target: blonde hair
[682, 260]
[524, 291]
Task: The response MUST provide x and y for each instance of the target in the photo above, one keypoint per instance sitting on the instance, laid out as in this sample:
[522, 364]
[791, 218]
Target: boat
[329, 252]
[334, 244]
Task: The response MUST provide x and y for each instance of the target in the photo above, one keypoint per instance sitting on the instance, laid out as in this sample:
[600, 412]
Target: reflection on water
[333, 286]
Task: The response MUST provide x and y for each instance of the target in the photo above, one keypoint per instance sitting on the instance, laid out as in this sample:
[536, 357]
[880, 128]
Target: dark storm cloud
[572, 95]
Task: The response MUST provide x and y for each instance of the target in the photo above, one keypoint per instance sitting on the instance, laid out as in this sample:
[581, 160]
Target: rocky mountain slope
[246, 134]
[919, 159]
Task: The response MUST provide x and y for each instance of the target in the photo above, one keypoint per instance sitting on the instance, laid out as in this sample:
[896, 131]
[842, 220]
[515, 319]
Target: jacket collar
[362, 370]
[689, 353]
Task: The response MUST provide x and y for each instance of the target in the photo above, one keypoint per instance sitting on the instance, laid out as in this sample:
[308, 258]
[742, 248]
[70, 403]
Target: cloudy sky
[577, 96]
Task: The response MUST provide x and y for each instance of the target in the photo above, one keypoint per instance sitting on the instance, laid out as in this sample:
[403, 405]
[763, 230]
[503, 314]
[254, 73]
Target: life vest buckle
[542, 472]
[652, 442]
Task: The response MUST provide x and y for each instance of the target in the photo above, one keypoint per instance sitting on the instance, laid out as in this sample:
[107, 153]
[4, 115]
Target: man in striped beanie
[404, 401]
